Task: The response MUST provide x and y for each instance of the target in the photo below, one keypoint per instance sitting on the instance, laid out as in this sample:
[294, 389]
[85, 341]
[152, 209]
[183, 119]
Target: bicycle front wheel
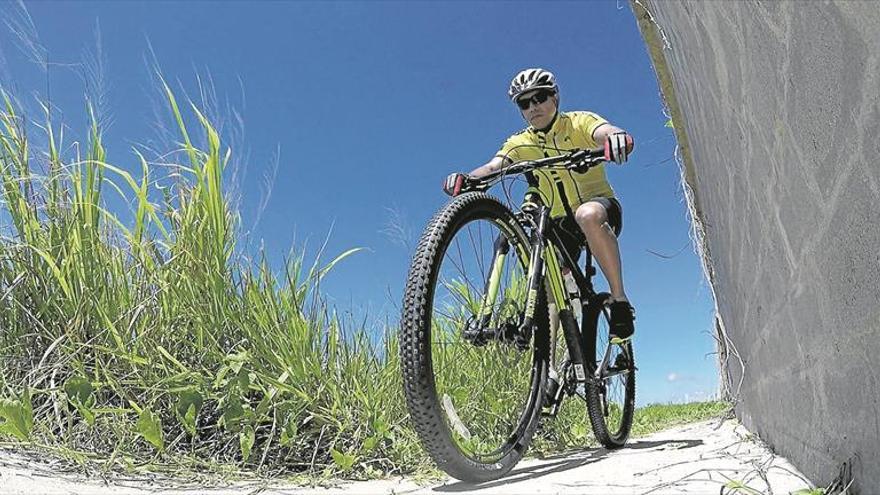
[473, 373]
[611, 396]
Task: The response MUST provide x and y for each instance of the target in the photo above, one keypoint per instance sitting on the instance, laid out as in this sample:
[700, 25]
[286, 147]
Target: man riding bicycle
[587, 197]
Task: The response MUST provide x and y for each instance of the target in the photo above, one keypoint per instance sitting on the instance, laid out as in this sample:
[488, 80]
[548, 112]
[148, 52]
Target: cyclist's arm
[601, 133]
[493, 165]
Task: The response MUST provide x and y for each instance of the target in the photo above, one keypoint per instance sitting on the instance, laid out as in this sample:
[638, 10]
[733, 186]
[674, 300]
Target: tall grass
[151, 341]
[133, 340]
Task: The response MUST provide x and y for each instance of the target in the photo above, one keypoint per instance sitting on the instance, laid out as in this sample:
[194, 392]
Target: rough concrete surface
[693, 459]
[777, 108]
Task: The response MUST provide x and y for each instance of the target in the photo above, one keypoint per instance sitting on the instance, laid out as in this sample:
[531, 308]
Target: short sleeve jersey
[559, 187]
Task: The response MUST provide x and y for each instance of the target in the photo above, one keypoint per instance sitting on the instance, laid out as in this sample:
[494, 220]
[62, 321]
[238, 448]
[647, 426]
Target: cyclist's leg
[600, 220]
[594, 219]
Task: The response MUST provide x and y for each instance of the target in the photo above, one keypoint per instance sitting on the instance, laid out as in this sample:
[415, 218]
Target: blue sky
[367, 106]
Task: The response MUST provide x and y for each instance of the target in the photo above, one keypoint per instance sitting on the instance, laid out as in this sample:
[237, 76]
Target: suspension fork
[536, 267]
[490, 291]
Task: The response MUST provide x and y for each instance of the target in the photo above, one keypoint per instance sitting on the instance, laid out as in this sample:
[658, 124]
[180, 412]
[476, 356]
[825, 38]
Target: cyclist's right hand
[456, 183]
[618, 147]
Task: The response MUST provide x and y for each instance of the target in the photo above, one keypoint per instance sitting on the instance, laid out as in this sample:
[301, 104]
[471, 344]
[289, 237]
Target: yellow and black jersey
[558, 187]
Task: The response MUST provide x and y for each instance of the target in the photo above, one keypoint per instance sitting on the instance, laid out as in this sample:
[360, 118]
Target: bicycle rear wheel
[474, 388]
[611, 398]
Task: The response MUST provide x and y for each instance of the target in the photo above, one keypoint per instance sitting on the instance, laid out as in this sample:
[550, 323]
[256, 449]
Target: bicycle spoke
[459, 266]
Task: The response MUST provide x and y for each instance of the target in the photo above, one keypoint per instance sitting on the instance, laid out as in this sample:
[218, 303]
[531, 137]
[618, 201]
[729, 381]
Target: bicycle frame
[546, 261]
[542, 252]
[545, 266]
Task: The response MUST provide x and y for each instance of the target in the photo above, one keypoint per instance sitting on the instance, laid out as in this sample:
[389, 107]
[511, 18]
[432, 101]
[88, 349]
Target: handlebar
[579, 160]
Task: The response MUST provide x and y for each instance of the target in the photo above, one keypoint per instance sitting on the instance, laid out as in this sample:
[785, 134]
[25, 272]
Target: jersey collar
[555, 127]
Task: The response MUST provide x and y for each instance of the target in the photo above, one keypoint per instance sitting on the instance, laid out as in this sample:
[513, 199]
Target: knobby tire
[417, 365]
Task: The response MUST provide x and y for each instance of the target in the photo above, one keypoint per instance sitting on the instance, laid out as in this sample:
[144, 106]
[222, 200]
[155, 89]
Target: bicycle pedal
[621, 363]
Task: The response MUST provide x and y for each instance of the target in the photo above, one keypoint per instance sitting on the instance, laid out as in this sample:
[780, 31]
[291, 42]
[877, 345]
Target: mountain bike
[481, 364]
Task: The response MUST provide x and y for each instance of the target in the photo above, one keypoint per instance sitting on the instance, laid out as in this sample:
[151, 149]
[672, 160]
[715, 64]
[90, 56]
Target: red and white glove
[454, 183]
[616, 147]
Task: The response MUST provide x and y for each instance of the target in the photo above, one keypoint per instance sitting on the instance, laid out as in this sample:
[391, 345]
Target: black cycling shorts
[572, 237]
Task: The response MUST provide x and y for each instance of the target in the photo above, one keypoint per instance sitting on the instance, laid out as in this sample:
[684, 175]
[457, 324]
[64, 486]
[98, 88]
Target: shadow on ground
[559, 463]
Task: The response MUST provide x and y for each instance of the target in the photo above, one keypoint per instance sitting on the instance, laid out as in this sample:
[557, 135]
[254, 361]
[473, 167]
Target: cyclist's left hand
[454, 183]
[618, 146]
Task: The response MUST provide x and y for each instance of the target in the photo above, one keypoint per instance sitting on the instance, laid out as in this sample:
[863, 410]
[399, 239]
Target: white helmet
[531, 79]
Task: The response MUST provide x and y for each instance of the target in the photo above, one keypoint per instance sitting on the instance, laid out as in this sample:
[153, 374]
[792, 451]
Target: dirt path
[695, 458]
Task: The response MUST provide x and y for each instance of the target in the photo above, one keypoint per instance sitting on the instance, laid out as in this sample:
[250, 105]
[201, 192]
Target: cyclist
[585, 197]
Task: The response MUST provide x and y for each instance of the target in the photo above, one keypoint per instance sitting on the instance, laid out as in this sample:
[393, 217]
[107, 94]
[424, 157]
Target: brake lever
[582, 165]
[581, 161]
[476, 186]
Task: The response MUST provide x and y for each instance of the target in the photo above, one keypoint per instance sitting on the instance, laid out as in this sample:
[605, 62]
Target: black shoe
[622, 316]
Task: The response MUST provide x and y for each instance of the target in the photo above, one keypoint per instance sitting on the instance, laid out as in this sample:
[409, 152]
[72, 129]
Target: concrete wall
[777, 110]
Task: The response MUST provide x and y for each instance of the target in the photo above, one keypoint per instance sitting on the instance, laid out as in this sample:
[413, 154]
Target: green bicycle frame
[543, 268]
[554, 280]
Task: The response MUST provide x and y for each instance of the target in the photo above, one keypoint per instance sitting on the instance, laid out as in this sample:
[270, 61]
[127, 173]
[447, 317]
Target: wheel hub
[509, 332]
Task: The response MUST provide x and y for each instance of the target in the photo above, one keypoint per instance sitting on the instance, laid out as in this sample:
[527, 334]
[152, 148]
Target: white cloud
[672, 377]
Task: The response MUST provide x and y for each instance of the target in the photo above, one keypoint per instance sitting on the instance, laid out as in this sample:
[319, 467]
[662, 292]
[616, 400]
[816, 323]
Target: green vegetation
[155, 343]
[658, 417]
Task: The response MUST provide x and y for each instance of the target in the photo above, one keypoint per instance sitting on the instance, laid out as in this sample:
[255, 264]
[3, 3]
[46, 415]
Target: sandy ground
[695, 458]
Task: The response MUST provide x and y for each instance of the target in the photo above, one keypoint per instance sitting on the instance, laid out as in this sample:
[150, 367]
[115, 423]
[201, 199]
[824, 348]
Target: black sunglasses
[537, 98]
